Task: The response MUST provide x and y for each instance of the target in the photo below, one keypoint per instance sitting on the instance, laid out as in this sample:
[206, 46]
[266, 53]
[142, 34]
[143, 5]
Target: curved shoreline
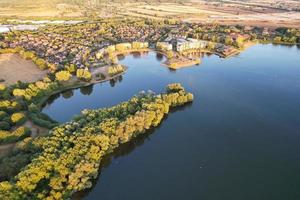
[77, 85]
[80, 84]
[8, 147]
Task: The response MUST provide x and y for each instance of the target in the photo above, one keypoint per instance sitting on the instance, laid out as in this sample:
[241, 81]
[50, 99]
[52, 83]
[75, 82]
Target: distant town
[55, 42]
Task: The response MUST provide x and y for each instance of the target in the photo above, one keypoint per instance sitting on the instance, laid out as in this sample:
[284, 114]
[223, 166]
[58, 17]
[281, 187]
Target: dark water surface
[239, 140]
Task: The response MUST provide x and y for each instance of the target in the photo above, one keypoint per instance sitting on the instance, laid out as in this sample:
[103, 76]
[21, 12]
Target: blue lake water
[239, 139]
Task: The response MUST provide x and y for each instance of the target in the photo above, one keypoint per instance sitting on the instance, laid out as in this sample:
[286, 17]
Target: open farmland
[252, 12]
[224, 13]
[14, 68]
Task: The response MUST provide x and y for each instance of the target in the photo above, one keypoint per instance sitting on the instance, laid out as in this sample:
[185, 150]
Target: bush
[41, 63]
[28, 55]
[7, 119]
[100, 76]
[3, 115]
[12, 164]
[43, 120]
[2, 87]
[17, 135]
[9, 106]
[71, 68]
[33, 108]
[21, 85]
[18, 92]
[4, 126]
[18, 118]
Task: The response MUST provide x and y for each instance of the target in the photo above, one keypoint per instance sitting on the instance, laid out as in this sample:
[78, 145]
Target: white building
[4, 29]
[190, 43]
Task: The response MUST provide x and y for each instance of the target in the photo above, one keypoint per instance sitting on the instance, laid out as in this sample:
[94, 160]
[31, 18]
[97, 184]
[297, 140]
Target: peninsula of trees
[68, 159]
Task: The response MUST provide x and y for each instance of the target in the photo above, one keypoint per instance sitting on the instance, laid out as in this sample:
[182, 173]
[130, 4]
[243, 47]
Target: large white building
[181, 44]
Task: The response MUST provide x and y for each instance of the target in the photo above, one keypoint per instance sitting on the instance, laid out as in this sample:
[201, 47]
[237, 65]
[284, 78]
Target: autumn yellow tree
[84, 74]
[63, 76]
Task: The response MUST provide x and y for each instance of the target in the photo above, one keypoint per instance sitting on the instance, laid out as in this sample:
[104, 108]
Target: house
[265, 31]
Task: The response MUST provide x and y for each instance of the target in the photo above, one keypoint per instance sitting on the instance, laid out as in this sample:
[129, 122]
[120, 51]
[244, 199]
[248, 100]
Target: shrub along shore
[69, 157]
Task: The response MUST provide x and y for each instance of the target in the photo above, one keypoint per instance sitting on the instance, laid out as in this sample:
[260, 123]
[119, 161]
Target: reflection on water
[116, 80]
[238, 140]
[159, 56]
[67, 94]
[135, 54]
[87, 90]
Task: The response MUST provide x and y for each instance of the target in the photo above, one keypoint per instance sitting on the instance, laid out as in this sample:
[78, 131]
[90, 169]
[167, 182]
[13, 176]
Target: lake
[238, 140]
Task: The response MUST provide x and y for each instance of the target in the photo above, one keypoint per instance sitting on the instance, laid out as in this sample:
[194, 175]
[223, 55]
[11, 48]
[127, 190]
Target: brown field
[268, 13]
[40, 13]
[231, 12]
[14, 68]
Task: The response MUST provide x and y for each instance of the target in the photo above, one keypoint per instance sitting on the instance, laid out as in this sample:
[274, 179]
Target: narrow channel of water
[238, 140]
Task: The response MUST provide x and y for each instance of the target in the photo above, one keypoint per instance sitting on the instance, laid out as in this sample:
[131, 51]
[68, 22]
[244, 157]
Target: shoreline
[78, 84]
[38, 130]
[75, 84]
